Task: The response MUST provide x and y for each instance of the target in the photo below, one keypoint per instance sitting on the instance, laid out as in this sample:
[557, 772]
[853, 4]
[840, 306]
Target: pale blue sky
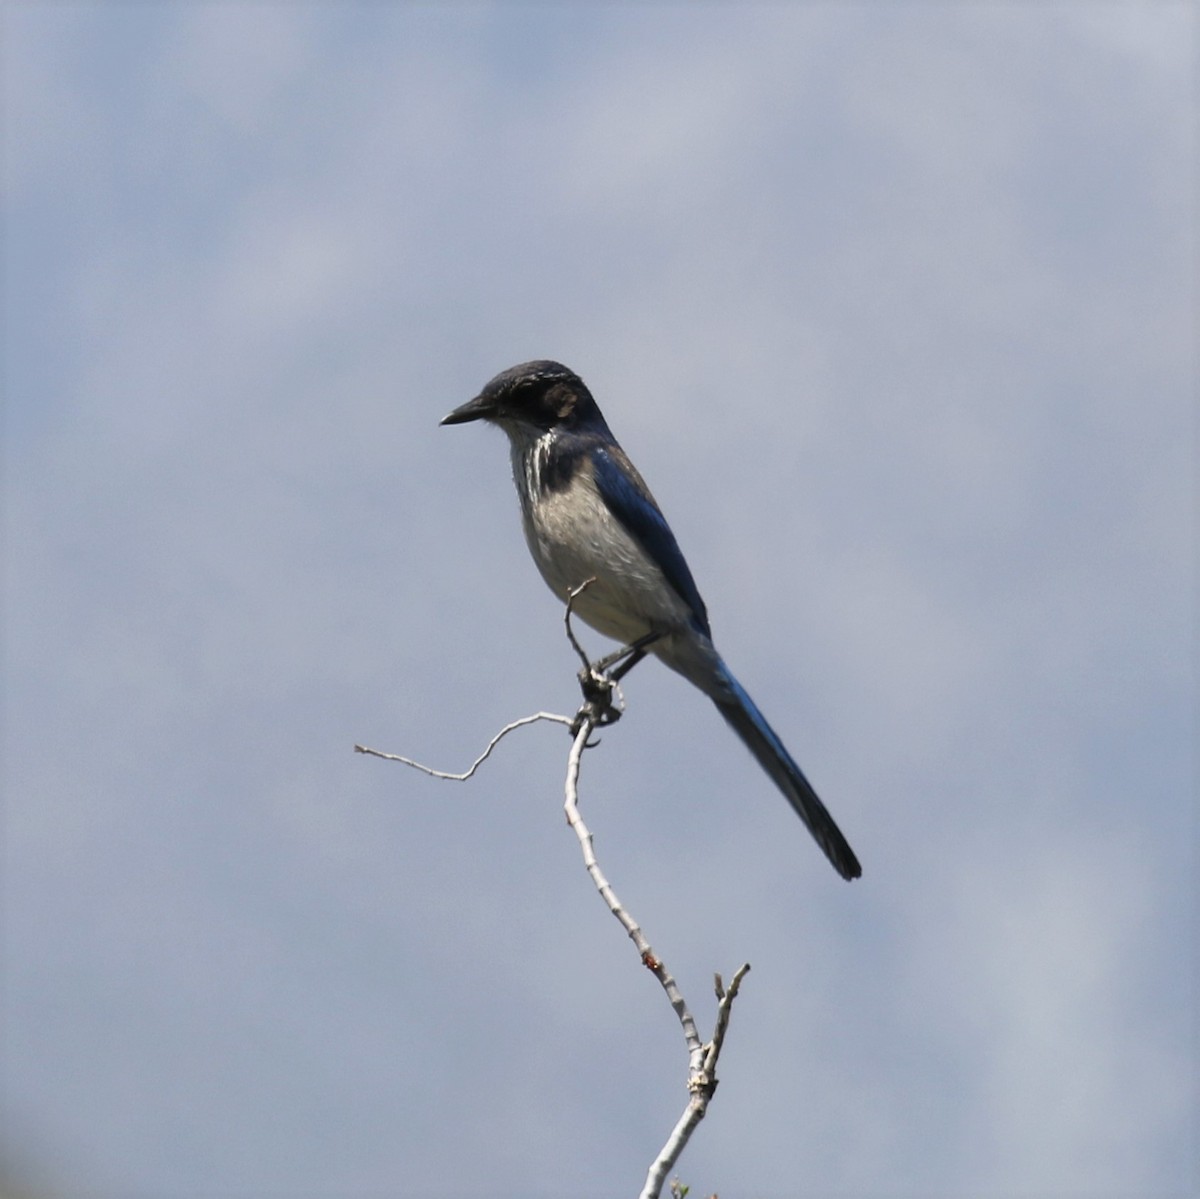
[891, 304]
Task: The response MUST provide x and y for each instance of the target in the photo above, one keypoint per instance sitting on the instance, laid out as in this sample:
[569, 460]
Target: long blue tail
[749, 723]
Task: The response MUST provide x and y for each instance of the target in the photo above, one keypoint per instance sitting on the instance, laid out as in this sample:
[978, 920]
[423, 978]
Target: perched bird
[588, 515]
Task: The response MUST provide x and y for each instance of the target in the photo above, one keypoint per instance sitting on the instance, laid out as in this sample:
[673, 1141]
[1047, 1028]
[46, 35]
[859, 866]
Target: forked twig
[702, 1085]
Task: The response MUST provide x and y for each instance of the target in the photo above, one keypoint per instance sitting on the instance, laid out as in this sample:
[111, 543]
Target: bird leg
[634, 652]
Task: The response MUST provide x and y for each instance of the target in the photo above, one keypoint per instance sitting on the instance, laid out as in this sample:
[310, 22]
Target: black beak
[480, 408]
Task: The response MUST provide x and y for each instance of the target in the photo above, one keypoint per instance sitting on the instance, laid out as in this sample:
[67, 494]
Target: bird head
[540, 395]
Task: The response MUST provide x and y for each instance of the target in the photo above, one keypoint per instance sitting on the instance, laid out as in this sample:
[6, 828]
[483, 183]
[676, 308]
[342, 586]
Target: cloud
[892, 310]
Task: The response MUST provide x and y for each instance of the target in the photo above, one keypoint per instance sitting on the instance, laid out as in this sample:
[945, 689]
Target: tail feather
[749, 723]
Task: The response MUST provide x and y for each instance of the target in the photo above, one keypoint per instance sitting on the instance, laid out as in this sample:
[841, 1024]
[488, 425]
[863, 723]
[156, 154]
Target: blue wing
[628, 497]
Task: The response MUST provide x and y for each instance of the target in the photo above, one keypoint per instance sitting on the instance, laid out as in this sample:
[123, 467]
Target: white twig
[702, 1083]
[491, 745]
[650, 959]
[702, 1058]
[601, 706]
[572, 596]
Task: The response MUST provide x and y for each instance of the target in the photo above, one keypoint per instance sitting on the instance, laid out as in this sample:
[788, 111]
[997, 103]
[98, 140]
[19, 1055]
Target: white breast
[573, 536]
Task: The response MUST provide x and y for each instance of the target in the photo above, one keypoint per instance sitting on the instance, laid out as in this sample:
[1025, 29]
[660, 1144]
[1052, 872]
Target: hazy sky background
[891, 304]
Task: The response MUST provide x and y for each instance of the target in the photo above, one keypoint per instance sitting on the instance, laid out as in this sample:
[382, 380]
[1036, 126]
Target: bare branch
[649, 958]
[702, 1083]
[702, 1058]
[441, 774]
[602, 705]
[572, 596]
[724, 1009]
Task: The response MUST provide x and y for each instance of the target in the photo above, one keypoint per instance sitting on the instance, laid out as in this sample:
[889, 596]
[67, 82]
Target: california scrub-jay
[588, 515]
